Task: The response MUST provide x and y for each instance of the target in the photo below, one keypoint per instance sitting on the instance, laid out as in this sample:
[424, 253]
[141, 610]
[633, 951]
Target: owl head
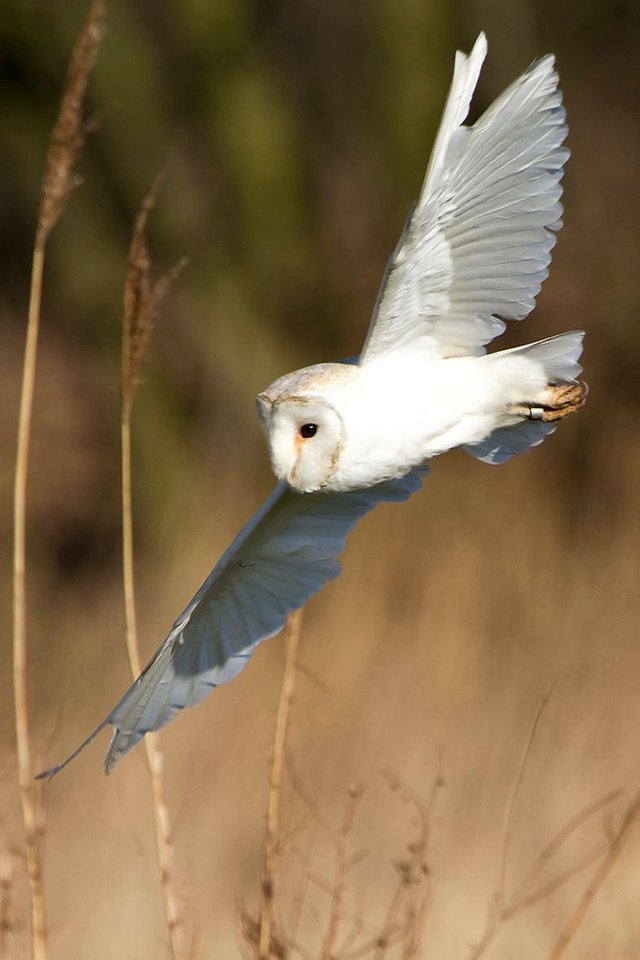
[305, 432]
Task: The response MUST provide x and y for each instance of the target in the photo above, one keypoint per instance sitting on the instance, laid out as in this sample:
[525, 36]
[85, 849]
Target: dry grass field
[494, 615]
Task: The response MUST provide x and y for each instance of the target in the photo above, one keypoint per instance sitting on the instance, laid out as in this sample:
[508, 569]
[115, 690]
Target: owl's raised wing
[286, 552]
[475, 250]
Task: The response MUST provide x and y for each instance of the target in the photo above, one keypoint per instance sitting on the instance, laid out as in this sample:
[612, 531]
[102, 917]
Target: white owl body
[474, 253]
[409, 408]
[380, 419]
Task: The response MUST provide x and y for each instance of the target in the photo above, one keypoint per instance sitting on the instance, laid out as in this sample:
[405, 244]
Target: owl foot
[562, 399]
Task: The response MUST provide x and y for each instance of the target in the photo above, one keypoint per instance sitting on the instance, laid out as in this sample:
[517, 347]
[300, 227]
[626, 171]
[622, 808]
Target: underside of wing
[285, 554]
[507, 442]
[476, 249]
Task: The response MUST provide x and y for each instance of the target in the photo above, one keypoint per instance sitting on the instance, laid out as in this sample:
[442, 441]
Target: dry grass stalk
[267, 944]
[407, 910]
[65, 145]
[617, 842]
[422, 886]
[7, 874]
[342, 866]
[138, 308]
[141, 301]
[142, 298]
[522, 893]
[346, 936]
[516, 786]
[495, 916]
[526, 896]
[506, 907]
[23, 740]
[69, 132]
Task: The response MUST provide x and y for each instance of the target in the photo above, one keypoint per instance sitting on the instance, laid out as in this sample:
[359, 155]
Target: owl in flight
[345, 436]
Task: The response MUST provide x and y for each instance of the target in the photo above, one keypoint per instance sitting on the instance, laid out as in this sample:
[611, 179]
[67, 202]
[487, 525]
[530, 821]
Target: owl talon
[564, 399]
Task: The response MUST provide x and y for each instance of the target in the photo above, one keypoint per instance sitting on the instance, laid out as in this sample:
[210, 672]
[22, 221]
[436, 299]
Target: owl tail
[558, 355]
[559, 359]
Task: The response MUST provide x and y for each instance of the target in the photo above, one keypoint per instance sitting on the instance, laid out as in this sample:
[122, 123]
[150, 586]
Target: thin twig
[574, 822]
[424, 885]
[384, 941]
[578, 915]
[514, 907]
[524, 898]
[340, 873]
[354, 933]
[299, 896]
[495, 916]
[413, 875]
[514, 793]
[504, 908]
[271, 842]
[64, 148]
[139, 313]
[310, 804]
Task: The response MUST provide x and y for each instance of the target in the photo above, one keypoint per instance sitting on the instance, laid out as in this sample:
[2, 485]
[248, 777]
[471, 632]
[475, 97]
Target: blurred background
[293, 136]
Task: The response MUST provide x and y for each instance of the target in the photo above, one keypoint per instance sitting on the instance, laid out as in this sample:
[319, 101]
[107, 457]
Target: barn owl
[343, 437]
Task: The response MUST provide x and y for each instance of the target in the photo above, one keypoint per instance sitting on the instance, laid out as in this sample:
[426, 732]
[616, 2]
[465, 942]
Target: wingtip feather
[466, 72]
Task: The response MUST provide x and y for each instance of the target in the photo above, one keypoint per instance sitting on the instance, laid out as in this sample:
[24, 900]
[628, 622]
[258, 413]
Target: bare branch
[617, 843]
[545, 890]
[571, 826]
[340, 874]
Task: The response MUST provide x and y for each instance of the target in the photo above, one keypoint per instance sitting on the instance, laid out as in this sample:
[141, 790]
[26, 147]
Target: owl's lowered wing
[286, 552]
[476, 248]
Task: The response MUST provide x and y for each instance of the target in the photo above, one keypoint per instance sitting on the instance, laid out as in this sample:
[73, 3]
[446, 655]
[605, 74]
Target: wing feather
[283, 555]
[477, 247]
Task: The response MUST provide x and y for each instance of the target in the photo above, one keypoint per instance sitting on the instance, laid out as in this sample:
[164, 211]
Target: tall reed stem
[271, 843]
[141, 299]
[162, 822]
[65, 145]
[23, 742]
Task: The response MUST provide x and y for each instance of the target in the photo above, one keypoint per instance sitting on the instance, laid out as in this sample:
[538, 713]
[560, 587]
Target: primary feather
[286, 552]
[475, 250]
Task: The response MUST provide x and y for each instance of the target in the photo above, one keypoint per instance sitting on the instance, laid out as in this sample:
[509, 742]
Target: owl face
[306, 436]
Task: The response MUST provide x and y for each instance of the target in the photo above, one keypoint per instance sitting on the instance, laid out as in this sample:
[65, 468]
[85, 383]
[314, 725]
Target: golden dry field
[464, 738]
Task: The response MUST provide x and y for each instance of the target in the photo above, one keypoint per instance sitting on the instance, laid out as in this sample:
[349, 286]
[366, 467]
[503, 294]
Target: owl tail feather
[558, 355]
[559, 358]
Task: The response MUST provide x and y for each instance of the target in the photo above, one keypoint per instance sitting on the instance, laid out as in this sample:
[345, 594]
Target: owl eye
[308, 430]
